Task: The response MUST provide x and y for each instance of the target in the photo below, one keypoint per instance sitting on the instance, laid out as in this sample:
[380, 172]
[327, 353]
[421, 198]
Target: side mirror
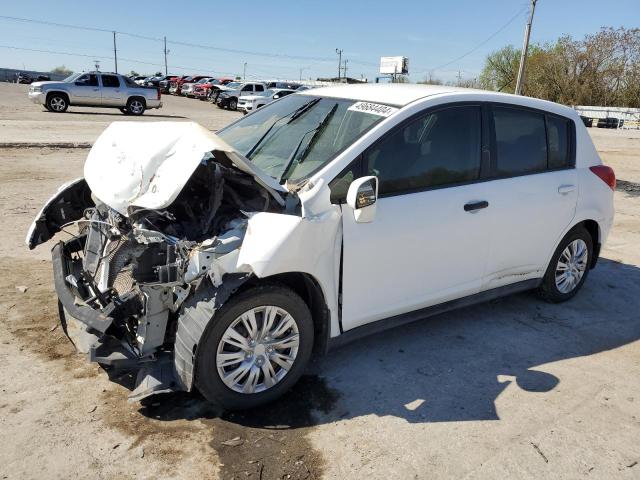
[362, 197]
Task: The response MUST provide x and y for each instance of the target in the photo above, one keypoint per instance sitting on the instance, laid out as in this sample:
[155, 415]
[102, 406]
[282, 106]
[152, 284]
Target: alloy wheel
[58, 104]
[136, 107]
[258, 349]
[571, 266]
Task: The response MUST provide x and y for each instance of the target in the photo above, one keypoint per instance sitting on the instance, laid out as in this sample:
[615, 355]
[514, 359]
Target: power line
[481, 44]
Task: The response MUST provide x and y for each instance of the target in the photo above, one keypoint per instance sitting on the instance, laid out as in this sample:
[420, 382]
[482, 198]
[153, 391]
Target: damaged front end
[145, 244]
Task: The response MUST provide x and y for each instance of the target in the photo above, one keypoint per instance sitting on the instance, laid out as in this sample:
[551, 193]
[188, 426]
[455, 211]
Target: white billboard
[394, 65]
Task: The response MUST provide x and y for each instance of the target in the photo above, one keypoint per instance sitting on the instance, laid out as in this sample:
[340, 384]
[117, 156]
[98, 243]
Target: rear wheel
[136, 106]
[255, 348]
[57, 103]
[569, 267]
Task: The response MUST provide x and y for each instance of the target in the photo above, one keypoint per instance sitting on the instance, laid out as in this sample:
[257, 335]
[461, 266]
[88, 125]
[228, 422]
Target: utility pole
[244, 71]
[115, 51]
[345, 68]
[525, 48]
[339, 52]
[459, 77]
[166, 70]
[301, 70]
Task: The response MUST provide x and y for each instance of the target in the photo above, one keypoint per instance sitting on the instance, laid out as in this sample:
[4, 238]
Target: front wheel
[57, 103]
[569, 267]
[136, 106]
[255, 348]
[233, 104]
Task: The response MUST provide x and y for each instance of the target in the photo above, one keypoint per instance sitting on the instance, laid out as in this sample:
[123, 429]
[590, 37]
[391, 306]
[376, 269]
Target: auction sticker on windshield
[373, 108]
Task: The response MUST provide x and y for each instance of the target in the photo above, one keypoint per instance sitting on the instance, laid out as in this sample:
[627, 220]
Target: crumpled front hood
[147, 164]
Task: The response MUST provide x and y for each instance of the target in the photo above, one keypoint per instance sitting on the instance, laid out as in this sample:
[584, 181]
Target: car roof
[404, 93]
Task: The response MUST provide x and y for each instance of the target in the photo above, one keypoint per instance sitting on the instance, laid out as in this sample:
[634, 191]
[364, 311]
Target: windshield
[72, 77]
[204, 80]
[233, 85]
[266, 93]
[292, 138]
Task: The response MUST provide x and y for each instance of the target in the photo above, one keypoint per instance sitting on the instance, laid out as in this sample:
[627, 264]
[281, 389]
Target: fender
[67, 205]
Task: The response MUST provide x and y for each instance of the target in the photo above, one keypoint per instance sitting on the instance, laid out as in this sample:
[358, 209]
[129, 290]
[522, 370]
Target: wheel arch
[593, 228]
[193, 322]
[305, 285]
[59, 92]
[139, 97]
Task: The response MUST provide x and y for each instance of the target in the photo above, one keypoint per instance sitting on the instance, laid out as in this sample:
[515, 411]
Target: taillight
[606, 174]
[158, 93]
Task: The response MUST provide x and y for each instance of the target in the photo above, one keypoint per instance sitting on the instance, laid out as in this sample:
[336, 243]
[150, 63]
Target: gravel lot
[514, 388]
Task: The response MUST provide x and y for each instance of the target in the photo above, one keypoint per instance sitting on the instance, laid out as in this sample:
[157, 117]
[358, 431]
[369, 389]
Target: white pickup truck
[95, 89]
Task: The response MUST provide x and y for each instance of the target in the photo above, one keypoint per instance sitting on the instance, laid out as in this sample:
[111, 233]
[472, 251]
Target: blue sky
[296, 35]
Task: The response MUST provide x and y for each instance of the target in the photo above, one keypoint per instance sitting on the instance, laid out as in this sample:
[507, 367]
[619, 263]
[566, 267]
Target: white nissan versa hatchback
[221, 261]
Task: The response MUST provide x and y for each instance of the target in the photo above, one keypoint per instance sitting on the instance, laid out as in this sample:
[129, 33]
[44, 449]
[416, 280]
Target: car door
[246, 90]
[86, 90]
[533, 199]
[429, 240]
[112, 91]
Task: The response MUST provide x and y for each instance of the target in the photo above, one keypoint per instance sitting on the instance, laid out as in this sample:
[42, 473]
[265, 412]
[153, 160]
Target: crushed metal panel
[147, 164]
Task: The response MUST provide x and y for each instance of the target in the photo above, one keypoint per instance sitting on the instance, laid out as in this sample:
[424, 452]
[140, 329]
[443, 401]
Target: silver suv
[95, 89]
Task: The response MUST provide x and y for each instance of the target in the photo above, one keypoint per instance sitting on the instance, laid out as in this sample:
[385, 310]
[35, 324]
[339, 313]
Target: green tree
[62, 70]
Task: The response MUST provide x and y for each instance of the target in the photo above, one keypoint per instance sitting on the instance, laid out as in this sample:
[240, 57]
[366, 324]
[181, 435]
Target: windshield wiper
[292, 116]
[317, 130]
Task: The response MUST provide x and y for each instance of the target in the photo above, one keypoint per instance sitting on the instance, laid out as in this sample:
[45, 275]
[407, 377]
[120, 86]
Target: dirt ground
[514, 388]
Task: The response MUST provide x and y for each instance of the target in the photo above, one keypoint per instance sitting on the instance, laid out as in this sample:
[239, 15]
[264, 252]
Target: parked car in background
[203, 91]
[588, 122]
[221, 262]
[155, 81]
[95, 89]
[608, 122]
[176, 87]
[137, 78]
[230, 93]
[188, 87]
[165, 83]
[284, 85]
[248, 103]
[27, 79]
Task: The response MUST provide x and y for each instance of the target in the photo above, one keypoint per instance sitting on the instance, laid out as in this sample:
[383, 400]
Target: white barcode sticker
[373, 108]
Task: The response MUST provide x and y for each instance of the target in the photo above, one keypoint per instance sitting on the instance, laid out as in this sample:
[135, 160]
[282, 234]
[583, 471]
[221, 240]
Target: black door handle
[473, 206]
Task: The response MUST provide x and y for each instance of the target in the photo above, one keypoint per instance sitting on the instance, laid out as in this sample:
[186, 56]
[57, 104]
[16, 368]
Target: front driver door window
[423, 247]
[86, 90]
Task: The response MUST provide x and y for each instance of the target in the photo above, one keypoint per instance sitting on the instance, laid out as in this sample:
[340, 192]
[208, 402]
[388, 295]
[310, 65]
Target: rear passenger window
[110, 81]
[521, 144]
[259, 88]
[440, 148]
[558, 140]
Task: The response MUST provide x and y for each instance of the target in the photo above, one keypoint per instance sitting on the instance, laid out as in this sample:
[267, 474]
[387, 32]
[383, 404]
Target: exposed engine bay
[124, 277]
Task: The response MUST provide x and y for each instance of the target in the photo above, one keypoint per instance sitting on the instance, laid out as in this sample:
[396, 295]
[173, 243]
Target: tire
[57, 103]
[553, 288]
[208, 373]
[124, 110]
[233, 104]
[136, 106]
